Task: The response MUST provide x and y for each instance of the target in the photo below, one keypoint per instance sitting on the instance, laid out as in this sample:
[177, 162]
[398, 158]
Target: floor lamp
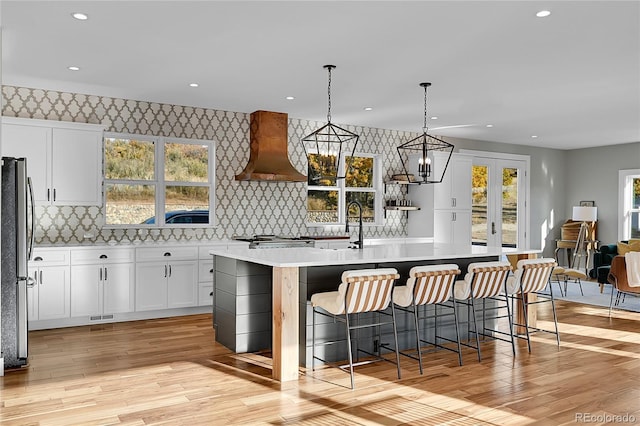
[584, 215]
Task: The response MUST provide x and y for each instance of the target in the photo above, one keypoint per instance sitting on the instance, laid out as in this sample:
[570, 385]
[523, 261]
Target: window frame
[342, 190]
[159, 181]
[625, 202]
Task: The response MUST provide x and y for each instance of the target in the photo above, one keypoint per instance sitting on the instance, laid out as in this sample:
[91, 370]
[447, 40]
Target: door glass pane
[129, 204]
[322, 206]
[129, 159]
[186, 162]
[367, 201]
[509, 207]
[636, 194]
[186, 204]
[635, 225]
[479, 204]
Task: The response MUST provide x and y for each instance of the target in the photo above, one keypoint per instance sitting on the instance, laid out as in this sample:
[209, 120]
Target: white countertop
[384, 253]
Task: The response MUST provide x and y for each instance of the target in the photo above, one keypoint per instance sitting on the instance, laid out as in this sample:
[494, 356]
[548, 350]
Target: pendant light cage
[427, 154]
[325, 147]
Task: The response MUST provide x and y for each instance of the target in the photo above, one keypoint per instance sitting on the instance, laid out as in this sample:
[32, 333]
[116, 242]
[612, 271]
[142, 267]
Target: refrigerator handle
[33, 218]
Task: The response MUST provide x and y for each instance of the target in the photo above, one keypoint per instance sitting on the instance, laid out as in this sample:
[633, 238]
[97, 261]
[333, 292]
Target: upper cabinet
[454, 192]
[64, 159]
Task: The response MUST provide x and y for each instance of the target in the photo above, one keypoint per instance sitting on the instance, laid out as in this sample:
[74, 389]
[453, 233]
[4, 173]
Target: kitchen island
[291, 275]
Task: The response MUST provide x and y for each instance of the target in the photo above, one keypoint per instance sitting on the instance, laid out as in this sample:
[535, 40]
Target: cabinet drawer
[205, 271]
[46, 257]
[166, 253]
[107, 255]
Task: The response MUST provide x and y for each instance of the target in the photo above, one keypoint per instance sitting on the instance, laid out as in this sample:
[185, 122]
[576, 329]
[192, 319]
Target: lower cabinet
[101, 289]
[163, 285]
[48, 298]
[452, 226]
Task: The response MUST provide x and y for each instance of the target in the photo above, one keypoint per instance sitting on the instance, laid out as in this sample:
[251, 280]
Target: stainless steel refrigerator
[16, 219]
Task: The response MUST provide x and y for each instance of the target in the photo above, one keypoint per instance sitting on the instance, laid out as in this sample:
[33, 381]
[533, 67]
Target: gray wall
[592, 174]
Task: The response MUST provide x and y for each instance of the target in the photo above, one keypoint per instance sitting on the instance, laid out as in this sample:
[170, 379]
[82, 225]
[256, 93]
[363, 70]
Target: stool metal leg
[455, 319]
[349, 349]
[415, 319]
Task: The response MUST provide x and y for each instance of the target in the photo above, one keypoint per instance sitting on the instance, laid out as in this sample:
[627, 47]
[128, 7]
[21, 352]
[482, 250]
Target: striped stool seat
[531, 277]
[485, 281]
[429, 285]
[365, 290]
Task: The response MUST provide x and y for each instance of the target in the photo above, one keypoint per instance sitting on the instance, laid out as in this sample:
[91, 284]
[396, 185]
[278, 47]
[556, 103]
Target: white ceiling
[572, 79]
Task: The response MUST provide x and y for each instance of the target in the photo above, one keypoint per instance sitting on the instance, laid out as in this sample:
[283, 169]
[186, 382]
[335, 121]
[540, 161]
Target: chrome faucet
[359, 243]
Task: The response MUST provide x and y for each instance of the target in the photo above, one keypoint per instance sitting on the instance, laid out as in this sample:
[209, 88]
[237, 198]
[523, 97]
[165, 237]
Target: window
[328, 196]
[157, 181]
[629, 204]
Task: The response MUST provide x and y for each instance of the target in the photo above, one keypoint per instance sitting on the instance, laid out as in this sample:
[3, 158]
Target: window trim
[342, 190]
[625, 178]
[159, 180]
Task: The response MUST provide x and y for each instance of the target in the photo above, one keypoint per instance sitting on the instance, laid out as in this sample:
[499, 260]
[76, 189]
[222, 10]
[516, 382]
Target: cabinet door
[86, 281]
[461, 227]
[31, 142]
[182, 291]
[205, 295]
[117, 288]
[442, 226]
[461, 181]
[54, 293]
[151, 286]
[76, 167]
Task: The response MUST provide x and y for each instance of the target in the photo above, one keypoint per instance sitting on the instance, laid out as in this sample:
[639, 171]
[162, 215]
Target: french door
[498, 214]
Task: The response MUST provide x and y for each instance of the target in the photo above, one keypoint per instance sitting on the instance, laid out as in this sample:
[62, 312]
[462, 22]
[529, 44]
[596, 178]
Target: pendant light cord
[424, 127]
[329, 93]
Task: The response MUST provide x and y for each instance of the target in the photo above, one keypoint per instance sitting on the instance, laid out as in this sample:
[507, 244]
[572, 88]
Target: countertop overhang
[384, 253]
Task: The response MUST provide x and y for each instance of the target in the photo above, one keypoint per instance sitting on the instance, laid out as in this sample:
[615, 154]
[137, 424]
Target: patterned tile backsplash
[242, 208]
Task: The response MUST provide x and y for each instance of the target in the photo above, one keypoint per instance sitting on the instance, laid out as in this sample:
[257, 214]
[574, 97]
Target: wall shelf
[406, 209]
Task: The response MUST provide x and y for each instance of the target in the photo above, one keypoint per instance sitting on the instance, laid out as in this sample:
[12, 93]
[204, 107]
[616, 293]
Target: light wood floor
[170, 371]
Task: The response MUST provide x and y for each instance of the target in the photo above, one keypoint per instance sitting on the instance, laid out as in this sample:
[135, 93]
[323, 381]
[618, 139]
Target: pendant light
[325, 147]
[433, 154]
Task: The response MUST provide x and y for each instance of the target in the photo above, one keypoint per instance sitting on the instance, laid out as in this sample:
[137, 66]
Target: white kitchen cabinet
[166, 277]
[49, 296]
[205, 281]
[452, 226]
[64, 159]
[454, 192]
[102, 282]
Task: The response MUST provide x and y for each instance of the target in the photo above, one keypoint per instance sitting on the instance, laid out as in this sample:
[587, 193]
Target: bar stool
[531, 277]
[429, 285]
[365, 290]
[486, 281]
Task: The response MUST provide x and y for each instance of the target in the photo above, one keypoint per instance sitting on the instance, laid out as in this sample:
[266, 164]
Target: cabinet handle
[48, 194]
[493, 228]
[40, 277]
[54, 194]
[167, 254]
[105, 273]
[37, 259]
[35, 277]
[100, 274]
[169, 270]
[103, 256]
[211, 271]
[165, 271]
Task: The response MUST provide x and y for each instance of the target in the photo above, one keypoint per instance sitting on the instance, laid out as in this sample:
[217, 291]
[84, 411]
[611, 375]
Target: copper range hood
[268, 156]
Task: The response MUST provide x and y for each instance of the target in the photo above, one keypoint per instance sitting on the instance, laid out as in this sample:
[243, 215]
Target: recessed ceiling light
[368, 109]
[193, 84]
[290, 98]
[72, 68]
[434, 118]
[543, 14]
[80, 16]
[534, 136]
[489, 125]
